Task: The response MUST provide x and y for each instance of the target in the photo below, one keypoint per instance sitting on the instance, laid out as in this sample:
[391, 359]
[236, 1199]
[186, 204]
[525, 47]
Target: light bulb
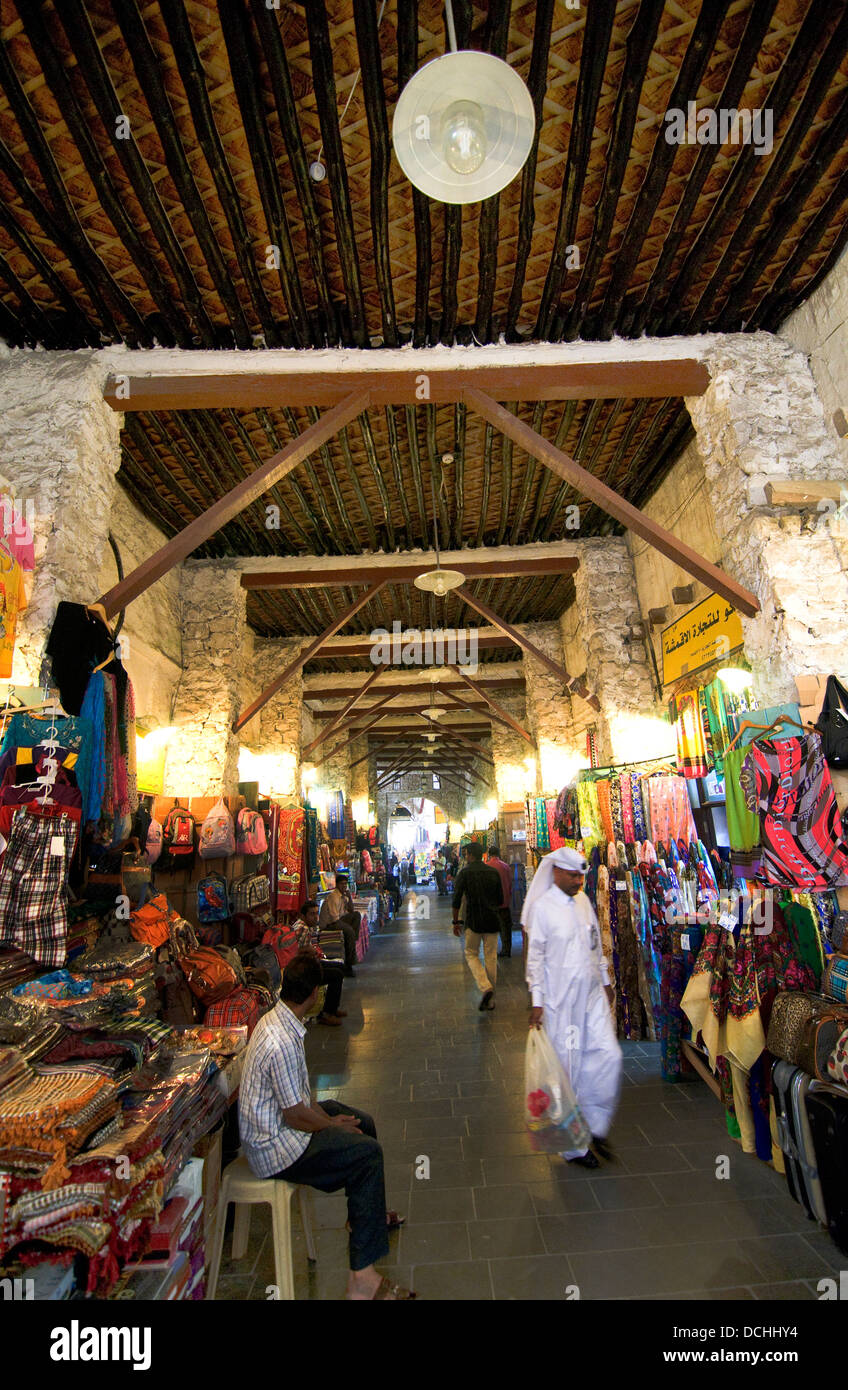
[464, 137]
[439, 587]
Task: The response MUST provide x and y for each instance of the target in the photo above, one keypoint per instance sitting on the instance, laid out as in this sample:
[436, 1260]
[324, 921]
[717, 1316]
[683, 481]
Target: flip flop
[386, 1289]
[394, 1220]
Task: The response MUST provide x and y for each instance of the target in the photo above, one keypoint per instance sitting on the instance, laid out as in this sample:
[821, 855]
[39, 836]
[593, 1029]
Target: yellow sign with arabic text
[708, 632]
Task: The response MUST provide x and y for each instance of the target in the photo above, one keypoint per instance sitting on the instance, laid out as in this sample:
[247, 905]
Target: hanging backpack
[153, 844]
[212, 900]
[178, 834]
[217, 837]
[832, 724]
[250, 833]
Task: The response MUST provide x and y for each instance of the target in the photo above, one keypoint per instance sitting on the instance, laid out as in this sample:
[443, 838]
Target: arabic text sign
[708, 632]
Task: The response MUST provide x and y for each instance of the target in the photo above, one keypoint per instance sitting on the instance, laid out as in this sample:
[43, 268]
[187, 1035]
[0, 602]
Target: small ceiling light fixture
[438, 581]
[463, 125]
[317, 171]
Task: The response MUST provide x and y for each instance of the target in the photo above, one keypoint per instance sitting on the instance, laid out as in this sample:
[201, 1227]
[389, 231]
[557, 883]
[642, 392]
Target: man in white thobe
[568, 977]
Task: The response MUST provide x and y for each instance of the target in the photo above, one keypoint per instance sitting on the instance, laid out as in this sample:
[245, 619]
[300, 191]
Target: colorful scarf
[591, 830]
[542, 838]
[291, 876]
[719, 724]
[626, 791]
[615, 808]
[605, 809]
[691, 745]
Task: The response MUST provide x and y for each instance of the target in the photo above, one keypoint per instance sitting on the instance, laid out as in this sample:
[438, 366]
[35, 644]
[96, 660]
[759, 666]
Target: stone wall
[203, 761]
[548, 711]
[418, 784]
[273, 736]
[151, 638]
[761, 418]
[819, 329]
[60, 450]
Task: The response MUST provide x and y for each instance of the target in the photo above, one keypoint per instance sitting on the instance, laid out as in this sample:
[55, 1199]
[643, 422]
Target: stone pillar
[515, 758]
[630, 723]
[360, 790]
[203, 760]
[60, 450]
[761, 418]
[275, 734]
[548, 712]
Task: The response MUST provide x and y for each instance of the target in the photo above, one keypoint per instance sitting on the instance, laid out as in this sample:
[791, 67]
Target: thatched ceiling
[150, 154]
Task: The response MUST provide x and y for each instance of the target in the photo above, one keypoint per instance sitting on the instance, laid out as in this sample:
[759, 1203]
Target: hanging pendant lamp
[464, 125]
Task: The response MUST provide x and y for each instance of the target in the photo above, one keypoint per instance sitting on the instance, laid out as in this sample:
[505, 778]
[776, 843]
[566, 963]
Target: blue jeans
[337, 1157]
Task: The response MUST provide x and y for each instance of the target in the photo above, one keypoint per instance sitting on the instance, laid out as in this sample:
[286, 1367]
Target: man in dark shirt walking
[493, 858]
[479, 888]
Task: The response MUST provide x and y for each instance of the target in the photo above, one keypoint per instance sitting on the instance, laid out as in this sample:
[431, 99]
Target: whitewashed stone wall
[548, 710]
[274, 734]
[630, 723]
[418, 784]
[151, 636]
[819, 329]
[203, 760]
[60, 449]
[760, 418]
[515, 758]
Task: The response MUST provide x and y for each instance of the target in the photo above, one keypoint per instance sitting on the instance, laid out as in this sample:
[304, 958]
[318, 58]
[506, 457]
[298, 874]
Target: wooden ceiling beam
[505, 716]
[337, 718]
[341, 692]
[230, 506]
[351, 738]
[635, 378]
[614, 505]
[348, 648]
[301, 659]
[312, 571]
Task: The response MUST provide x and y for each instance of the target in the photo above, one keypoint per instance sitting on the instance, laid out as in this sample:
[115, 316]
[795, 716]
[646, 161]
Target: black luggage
[790, 1089]
[827, 1108]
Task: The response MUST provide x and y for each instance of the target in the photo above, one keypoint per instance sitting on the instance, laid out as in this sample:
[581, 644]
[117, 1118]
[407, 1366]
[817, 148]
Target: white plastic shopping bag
[551, 1111]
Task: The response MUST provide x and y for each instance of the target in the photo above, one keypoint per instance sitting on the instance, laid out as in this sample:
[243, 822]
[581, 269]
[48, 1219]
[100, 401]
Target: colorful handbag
[210, 977]
[792, 1014]
[835, 978]
[151, 922]
[837, 1062]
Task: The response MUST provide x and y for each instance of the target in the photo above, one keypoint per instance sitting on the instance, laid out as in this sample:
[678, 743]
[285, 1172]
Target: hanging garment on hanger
[12, 602]
[33, 883]
[743, 822]
[74, 734]
[800, 826]
[16, 533]
[691, 745]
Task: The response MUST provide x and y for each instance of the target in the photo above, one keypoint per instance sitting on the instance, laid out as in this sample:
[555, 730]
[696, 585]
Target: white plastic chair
[241, 1186]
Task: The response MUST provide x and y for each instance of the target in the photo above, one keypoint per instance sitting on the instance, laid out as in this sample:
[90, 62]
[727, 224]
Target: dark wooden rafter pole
[373, 462]
[149, 74]
[499, 709]
[198, 463]
[756, 28]
[435, 457]
[374, 96]
[487, 482]
[279, 497]
[43, 331]
[783, 216]
[407, 63]
[614, 505]
[528, 473]
[231, 505]
[827, 218]
[547, 477]
[271, 42]
[338, 719]
[460, 418]
[367, 519]
[402, 758]
[777, 313]
[506, 487]
[593, 60]
[417, 479]
[495, 38]
[638, 50]
[343, 512]
[397, 470]
[194, 80]
[321, 54]
[733, 191]
[274, 439]
[301, 659]
[699, 50]
[537, 83]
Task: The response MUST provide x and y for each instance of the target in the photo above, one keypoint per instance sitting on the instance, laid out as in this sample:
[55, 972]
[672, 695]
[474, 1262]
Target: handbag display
[250, 892]
[832, 724]
[835, 978]
[152, 921]
[209, 975]
[792, 1015]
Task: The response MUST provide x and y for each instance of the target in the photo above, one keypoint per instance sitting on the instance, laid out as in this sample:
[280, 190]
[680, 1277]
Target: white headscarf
[544, 876]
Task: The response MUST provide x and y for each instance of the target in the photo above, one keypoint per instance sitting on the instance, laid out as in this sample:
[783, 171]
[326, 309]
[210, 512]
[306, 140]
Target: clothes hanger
[775, 723]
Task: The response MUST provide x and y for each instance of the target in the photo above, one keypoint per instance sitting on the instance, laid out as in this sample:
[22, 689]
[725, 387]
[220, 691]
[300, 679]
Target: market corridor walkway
[494, 1220]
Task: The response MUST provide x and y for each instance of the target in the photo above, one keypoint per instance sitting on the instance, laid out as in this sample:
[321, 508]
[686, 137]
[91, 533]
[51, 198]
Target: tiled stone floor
[496, 1221]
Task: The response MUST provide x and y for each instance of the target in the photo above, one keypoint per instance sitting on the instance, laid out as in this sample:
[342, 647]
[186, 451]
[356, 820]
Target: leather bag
[835, 978]
[793, 1013]
[210, 977]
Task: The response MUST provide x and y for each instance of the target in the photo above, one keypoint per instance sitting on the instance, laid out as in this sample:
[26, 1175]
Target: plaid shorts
[33, 886]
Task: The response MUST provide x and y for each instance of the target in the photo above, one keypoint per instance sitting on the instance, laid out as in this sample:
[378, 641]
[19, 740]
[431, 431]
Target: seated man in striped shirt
[327, 1145]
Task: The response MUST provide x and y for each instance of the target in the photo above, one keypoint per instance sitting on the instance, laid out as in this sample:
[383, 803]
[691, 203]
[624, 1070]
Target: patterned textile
[290, 891]
[626, 791]
[640, 821]
[33, 884]
[567, 814]
[691, 745]
[615, 809]
[335, 816]
[44, 1121]
[542, 837]
[275, 1078]
[311, 842]
[628, 1002]
[239, 1010]
[555, 839]
[605, 808]
[94, 710]
[670, 810]
[719, 723]
[801, 831]
[743, 824]
[74, 734]
[591, 830]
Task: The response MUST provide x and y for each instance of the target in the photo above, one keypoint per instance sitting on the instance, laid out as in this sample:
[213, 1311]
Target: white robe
[567, 975]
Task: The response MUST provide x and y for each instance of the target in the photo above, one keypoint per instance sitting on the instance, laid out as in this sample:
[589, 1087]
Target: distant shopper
[570, 991]
[439, 867]
[493, 858]
[327, 1145]
[338, 914]
[479, 888]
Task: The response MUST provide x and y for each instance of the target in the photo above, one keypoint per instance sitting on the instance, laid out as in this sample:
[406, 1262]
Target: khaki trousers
[484, 979]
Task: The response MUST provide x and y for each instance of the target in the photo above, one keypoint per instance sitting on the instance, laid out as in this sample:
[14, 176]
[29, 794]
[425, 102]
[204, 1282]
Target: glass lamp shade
[439, 582]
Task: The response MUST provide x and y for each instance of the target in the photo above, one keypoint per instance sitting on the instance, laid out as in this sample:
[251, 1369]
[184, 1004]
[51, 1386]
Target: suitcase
[827, 1108]
[791, 1085]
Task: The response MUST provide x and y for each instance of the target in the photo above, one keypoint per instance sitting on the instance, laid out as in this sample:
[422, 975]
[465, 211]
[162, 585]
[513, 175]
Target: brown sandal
[386, 1288]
